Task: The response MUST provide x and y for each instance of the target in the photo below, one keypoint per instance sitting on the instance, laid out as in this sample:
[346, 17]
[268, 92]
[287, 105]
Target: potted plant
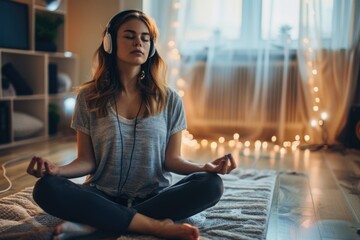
[46, 27]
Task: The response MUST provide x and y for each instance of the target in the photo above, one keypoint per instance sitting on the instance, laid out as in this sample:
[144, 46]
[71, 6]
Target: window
[243, 23]
[280, 17]
[214, 18]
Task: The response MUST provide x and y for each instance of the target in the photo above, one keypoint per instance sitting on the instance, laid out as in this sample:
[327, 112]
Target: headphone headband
[108, 41]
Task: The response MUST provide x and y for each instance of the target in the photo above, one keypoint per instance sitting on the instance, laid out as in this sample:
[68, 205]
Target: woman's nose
[137, 41]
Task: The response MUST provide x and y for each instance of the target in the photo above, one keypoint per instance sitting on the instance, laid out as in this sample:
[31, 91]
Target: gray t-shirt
[147, 174]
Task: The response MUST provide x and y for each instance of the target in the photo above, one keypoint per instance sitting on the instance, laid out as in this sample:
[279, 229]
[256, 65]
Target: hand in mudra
[223, 165]
[39, 167]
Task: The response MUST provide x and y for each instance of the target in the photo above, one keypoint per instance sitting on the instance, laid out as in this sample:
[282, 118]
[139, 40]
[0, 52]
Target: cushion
[21, 85]
[25, 125]
[63, 82]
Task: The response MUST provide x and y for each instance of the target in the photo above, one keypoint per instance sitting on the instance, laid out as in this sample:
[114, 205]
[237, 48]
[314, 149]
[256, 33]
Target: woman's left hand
[223, 165]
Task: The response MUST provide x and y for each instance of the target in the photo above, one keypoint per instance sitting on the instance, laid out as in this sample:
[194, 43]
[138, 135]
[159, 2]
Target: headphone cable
[3, 166]
[133, 147]
[122, 146]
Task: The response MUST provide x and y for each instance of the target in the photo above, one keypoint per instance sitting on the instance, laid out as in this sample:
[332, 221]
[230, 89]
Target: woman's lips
[137, 52]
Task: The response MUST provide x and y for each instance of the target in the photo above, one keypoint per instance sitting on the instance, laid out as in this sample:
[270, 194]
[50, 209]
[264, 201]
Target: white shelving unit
[33, 66]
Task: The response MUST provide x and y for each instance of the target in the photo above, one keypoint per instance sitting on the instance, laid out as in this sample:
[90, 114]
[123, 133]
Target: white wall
[86, 20]
[131, 4]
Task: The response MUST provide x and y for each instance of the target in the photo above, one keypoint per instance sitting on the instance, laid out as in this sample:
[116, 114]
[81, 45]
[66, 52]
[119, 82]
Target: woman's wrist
[58, 172]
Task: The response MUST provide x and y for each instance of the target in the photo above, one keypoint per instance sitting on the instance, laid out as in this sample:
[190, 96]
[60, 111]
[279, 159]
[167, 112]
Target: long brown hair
[106, 83]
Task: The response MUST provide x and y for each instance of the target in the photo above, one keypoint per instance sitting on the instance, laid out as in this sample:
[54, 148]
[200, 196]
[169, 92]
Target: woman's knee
[45, 188]
[212, 184]
[217, 183]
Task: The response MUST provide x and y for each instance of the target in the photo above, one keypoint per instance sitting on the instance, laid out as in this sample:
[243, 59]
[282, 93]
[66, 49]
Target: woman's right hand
[39, 167]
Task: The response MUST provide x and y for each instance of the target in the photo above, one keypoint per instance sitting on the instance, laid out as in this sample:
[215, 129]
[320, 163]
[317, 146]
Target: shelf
[29, 78]
[30, 97]
[61, 96]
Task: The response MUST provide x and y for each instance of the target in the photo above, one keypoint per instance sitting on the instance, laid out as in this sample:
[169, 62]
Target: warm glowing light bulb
[236, 136]
[297, 137]
[171, 43]
[324, 115]
[180, 82]
[232, 143]
[221, 139]
[307, 138]
[317, 100]
[314, 72]
[315, 108]
[273, 138]
[213, 145]
[247, 144]
[316, 89]
[313, 123]
[204, 142]
[287, 144]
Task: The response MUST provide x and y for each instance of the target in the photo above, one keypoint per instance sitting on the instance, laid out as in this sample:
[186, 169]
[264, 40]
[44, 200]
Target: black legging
[64, 199]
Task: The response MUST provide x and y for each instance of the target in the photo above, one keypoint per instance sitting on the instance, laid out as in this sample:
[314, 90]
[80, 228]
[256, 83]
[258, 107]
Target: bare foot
[70, 229]
[170, 230]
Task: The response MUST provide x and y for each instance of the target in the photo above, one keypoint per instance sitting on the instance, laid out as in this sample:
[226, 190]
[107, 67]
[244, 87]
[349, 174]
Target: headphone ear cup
[152, 49]
[107, 43]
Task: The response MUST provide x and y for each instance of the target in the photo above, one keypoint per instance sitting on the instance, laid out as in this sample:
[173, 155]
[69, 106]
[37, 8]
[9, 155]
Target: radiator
[228, 101]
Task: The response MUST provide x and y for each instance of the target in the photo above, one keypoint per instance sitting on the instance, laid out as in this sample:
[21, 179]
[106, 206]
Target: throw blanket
[242, 212]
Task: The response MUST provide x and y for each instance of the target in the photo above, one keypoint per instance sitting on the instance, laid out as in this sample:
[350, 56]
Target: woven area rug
[242, 213]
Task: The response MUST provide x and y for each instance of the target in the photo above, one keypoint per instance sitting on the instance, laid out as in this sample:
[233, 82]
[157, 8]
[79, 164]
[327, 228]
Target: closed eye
[130, 34]
[129, 37]
[145, 39]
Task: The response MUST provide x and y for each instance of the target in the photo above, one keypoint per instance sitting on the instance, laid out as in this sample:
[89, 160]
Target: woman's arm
[175, 163]
[84, 163]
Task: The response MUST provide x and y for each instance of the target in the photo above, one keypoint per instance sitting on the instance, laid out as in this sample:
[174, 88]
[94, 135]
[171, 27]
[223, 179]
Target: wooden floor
[317, 195]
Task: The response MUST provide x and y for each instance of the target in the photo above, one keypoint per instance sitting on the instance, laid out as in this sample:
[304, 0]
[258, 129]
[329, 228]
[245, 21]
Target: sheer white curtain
[329, 61]
[237, 64]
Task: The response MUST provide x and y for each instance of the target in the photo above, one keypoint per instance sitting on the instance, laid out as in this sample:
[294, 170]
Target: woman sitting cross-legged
[129, 127]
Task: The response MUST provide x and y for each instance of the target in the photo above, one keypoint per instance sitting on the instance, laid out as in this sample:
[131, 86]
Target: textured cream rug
[242, 213]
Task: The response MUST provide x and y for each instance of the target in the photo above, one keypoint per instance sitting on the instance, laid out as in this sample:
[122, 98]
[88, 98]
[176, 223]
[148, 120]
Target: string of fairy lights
[313, 71]
[314, 77]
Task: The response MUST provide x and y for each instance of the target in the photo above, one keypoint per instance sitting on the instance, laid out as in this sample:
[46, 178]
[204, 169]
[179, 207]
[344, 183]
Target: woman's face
[133, 42]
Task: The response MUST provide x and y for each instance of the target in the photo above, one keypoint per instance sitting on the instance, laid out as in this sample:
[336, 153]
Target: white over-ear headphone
[107, 40]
